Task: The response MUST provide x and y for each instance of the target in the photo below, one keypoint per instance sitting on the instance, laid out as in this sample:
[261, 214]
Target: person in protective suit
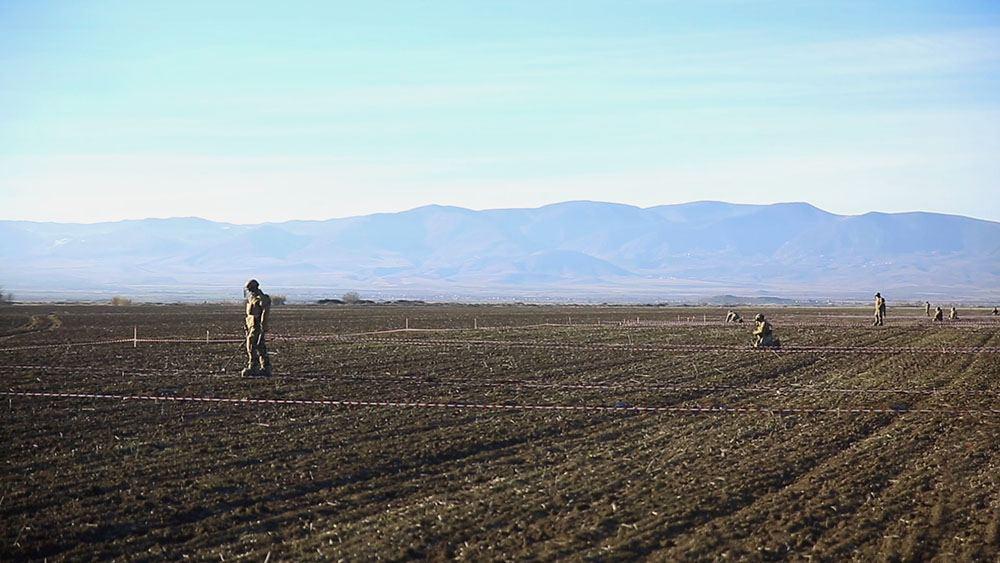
[258, 313]
[996, 312]
[938, 315]
[927, 308]
[879, 319]
[953, 315]
[763, 336]
[733, 317]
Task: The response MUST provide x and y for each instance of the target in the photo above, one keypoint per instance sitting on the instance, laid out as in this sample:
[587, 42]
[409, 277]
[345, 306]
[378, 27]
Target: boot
[250, 371]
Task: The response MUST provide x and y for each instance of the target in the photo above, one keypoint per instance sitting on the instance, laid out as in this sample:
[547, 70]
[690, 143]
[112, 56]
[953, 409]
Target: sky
[268, 111]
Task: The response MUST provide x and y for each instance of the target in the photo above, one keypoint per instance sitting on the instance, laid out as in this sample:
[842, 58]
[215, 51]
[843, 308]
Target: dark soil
[85, 479]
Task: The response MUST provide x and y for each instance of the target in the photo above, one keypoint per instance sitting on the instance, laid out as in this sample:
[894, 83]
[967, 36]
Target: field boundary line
[860, 322]
[360, 338]
[781, 411]
[515, 383]
[67, 344]
[685, 347]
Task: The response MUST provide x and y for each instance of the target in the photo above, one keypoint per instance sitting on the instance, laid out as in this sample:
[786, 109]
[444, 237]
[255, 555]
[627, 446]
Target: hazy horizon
[573, 250]
[557, 203]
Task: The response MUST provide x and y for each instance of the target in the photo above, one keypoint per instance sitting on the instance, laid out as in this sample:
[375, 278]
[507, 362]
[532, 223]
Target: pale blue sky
[249, 112]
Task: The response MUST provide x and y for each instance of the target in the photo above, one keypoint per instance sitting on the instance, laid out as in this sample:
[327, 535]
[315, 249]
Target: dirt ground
[498, 433]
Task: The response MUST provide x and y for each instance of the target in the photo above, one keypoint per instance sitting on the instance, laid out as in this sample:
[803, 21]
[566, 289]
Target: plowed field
[504, 432]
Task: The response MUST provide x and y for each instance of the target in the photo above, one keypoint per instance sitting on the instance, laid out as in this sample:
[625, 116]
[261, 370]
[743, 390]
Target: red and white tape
[782, 411]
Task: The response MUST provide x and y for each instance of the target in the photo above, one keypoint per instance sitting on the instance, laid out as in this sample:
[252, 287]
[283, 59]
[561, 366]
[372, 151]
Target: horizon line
[479, 210]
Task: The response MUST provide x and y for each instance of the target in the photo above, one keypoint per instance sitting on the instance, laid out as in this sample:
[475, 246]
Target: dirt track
[788, 463]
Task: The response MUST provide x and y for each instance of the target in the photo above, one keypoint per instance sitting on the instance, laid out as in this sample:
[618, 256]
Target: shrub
[351, 297]
[119, 301]
[278, 300]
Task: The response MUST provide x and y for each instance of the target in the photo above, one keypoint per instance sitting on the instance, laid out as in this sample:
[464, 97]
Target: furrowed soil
[498, 433]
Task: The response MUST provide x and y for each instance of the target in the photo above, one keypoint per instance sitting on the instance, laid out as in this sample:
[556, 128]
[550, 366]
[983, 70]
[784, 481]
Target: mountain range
[572, 251]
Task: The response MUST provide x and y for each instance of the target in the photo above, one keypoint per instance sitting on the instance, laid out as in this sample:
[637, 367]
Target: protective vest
[257, 303]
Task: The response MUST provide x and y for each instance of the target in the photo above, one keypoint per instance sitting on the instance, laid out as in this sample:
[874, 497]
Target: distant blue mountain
[568, 250]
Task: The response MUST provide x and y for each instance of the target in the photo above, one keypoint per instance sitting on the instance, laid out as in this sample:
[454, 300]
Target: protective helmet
[759, 317]
[252, 285]
[877, 294]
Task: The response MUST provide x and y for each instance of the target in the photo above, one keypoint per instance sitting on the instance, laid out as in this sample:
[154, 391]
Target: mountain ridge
[575, 249]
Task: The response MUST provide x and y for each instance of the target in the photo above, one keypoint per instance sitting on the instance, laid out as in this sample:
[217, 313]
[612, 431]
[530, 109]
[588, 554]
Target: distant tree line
[349, 298]
[352, 298]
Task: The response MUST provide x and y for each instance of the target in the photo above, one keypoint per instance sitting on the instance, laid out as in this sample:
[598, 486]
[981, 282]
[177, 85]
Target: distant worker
[763, 336]
[953, 315]
[879, 319]
[258, 314]
[996, 312]
[733, 317]
[927, 308]
[938, 315]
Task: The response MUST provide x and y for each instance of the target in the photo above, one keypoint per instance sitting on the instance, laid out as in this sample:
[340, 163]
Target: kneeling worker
[733, 317]
[258, 313]
[953, 315]
[763, 336]
[938, 315]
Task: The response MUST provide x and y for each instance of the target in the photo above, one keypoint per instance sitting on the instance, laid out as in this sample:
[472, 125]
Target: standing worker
[879, 310]
[763, 336]
[996, 312]
[953, 315]
[258, 314]
[938, 315]
[927, 308]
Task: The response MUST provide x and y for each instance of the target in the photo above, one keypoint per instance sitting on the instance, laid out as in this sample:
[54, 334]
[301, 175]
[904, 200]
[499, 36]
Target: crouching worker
[763, 336]
[938, 315]
[258, 313]
[733, 317]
